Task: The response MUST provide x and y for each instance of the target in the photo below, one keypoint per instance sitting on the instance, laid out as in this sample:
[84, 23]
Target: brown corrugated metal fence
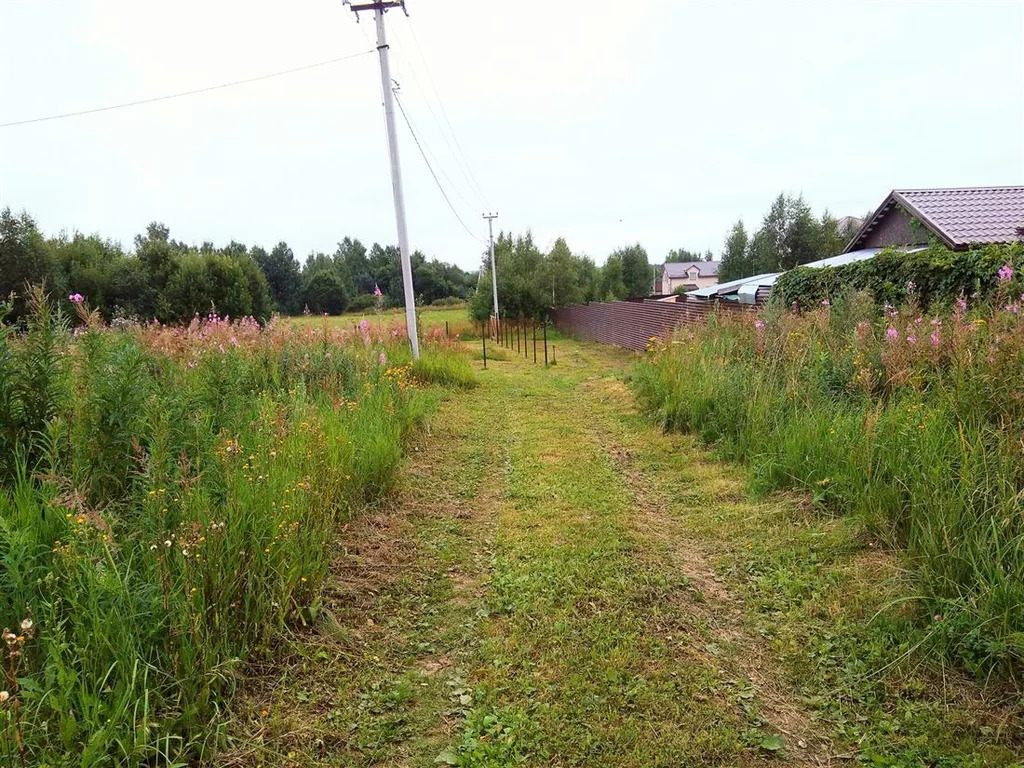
[631, 324]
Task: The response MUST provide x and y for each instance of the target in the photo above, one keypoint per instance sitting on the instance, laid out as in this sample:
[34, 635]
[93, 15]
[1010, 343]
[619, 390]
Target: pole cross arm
[384, 5]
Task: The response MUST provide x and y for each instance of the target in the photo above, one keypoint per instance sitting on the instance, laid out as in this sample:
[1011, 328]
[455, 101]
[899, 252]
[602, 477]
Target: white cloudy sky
[604, 122]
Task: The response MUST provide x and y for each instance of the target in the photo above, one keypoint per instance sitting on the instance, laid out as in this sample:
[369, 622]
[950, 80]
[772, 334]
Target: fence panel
[631, 324]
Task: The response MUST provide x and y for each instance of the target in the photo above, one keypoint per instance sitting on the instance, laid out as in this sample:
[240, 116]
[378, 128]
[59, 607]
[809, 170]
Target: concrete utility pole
[379, 9]
[494, 269]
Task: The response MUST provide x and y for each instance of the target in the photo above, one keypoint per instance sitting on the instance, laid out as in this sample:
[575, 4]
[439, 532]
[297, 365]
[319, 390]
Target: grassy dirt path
[555, 582]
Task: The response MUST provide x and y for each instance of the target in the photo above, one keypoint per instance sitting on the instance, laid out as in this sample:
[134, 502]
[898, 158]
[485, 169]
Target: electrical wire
[423, 154]
[462, 165]
[444, 113]
[180, 94]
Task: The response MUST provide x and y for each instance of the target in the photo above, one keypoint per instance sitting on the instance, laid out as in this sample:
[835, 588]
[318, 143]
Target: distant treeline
[531, 281]
[172, 281]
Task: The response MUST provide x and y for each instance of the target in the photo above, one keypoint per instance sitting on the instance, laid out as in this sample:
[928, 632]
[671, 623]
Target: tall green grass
[913, 421]
[167, 496]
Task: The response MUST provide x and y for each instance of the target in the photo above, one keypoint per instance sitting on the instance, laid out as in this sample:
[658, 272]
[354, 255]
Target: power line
[187, 93]
[462, 165]
[444, 173]
[423, 154]
[444, 113]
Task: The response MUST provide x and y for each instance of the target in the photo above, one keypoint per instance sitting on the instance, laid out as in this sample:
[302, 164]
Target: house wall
[701, 282]
[896, 229]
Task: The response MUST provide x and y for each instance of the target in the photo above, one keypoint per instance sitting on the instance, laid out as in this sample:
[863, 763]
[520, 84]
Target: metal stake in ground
[379, 9]
[535, 342]
[545, 343]
[483, 339]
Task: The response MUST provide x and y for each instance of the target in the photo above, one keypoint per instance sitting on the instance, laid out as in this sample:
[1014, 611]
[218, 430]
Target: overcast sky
[603, 122]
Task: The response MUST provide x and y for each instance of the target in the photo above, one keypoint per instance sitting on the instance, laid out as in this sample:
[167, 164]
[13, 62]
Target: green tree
[326, 293]
[637, 276]
[735, 263]
[612, 285]
[24, 258]
[681, 255]
[283, 276]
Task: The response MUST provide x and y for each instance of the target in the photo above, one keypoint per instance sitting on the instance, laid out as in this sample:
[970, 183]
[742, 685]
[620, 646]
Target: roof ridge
[960, 189]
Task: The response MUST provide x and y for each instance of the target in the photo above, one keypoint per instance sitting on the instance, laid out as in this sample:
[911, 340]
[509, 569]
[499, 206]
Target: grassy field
[908, 421]
[167, 499]
[431, 320]
[555, 581]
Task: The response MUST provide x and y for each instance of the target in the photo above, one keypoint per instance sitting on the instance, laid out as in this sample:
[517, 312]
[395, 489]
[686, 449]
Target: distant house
[959, 218]
[689, 275]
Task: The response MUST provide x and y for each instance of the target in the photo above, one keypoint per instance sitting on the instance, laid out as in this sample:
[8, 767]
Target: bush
[912, 422]
[325, 294]
[448, 301]
[362, 302]
[933, 276]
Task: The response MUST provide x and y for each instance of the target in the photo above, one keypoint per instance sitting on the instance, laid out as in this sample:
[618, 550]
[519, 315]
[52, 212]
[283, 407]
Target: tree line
[789, 235]
[171, 281]
[531, 281]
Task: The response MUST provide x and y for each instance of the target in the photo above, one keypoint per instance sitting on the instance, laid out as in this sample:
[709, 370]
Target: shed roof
[959, 217]
[679, 269]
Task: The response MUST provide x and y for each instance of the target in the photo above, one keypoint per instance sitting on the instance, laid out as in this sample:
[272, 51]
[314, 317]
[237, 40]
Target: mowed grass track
[558, 583]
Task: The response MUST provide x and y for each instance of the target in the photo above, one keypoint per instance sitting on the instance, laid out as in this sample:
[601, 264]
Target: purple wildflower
[892, 333]
[759, 325]
[76, 298]
[911, 286]
[383, 358]
[935, 339]
[911, 340]
[364, 326]
[826, 303]
[376, 290]
[1005, 273]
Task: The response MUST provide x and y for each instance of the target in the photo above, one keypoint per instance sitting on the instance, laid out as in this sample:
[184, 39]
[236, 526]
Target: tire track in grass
[377, 679]
[577, 664]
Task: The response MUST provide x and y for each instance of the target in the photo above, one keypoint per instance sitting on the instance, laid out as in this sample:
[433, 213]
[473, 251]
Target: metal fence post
[483, 339]
[545, 344]
[534, 342]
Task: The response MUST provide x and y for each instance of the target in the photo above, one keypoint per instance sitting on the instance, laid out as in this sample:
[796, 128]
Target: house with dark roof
[690, 275]
[959, 218]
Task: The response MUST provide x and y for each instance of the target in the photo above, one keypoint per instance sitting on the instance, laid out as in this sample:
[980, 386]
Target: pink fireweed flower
[383, 358]
[76, 298]
[1014, 308]
[376, 290]
[892, 334]
[1005, 273]
[826, 303]
[911, 340]
[759, 325]
[911, 286]
[936, 341]
[364, 326]
[961, 303]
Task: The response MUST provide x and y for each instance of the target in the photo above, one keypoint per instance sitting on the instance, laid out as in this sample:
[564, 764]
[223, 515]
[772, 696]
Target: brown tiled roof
[958, 217]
